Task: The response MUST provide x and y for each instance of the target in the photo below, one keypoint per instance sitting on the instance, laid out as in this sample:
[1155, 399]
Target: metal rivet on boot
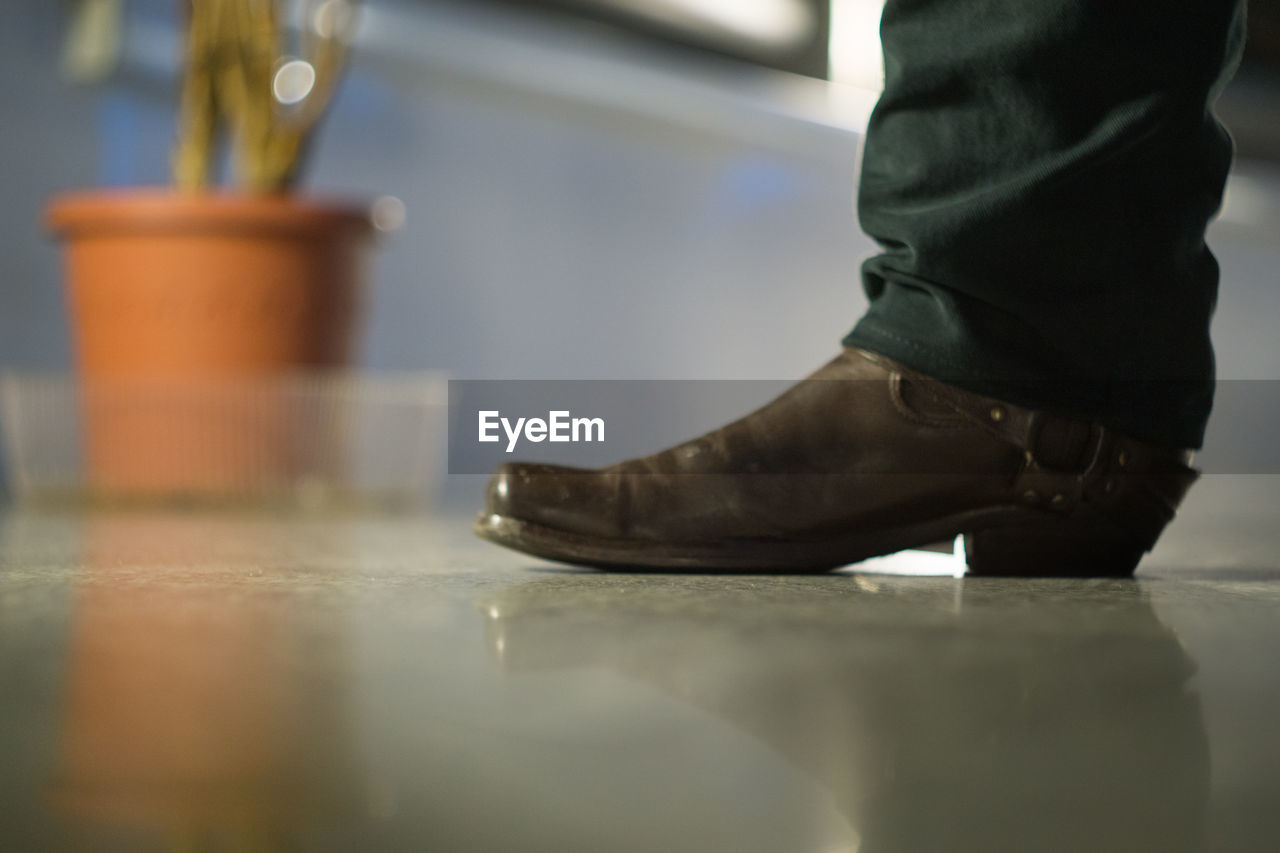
[1122, 459]
[997, 413]
[1030, 496]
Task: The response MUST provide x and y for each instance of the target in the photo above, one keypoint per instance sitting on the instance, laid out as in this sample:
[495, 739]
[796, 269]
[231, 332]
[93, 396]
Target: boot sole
[1007, 541]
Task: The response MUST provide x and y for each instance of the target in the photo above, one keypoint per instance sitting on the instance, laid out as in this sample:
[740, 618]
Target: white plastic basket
[306, 440]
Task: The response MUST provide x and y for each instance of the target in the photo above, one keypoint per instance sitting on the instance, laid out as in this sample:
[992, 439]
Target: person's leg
[1039, 174]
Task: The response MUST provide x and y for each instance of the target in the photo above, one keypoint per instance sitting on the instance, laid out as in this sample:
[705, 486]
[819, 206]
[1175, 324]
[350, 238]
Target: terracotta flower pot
[178, 304]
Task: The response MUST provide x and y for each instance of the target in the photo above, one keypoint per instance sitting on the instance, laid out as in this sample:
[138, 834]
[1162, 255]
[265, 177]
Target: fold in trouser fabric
[1039, 175]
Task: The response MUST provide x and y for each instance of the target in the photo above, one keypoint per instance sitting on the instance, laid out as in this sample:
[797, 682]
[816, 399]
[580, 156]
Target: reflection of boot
[863, 458]
[195, 708]
[939, 728]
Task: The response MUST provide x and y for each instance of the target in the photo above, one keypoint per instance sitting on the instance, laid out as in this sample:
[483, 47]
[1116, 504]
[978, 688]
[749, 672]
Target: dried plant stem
[198, 109]
[234, 50]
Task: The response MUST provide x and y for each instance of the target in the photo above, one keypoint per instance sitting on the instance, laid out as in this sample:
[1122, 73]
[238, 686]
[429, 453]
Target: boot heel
[1051, 548]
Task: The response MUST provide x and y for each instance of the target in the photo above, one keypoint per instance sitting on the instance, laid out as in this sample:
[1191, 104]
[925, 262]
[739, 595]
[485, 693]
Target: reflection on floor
[219, 682]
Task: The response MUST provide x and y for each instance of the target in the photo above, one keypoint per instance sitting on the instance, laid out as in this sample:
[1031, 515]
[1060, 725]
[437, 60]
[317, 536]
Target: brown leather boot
[863, 458]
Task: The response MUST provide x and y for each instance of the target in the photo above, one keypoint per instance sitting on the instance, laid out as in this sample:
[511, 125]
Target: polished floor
[230, 682]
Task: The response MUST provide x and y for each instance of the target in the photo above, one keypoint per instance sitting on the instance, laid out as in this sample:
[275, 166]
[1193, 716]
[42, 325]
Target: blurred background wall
[615, 192]
[578, 202]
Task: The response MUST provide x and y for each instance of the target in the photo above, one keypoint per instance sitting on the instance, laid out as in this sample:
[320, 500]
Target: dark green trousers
[1039, 175]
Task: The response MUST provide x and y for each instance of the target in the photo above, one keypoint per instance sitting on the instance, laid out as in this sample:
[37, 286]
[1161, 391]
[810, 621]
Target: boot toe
[575, 500]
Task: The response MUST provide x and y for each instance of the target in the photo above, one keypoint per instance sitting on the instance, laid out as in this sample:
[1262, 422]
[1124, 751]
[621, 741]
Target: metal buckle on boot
[1055, 478]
